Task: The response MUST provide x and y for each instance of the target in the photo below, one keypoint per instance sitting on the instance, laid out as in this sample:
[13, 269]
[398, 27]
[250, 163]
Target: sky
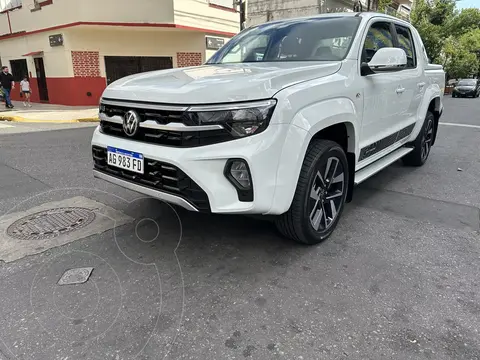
[468, 4]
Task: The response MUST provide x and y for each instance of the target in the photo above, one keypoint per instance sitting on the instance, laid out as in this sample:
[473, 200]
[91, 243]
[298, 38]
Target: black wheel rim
[326, 194]
[427, 139]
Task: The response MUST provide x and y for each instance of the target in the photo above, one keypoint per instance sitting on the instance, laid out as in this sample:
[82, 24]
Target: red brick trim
[220, 7]
[185, 59]
[45, 3]
[86, 63]
[175, 26]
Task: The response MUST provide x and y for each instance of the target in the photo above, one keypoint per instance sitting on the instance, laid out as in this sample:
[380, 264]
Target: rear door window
[405, 42]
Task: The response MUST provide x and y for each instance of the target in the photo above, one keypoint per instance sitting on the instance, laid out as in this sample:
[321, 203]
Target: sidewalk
[47, 113]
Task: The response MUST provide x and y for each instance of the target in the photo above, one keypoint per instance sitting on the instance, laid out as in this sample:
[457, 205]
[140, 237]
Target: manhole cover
[75, 276]
[50, 223]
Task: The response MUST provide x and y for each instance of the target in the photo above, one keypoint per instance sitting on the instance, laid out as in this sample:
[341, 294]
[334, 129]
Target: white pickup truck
[283, 120]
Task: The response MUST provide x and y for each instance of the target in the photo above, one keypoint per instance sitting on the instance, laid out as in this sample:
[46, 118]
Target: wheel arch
[335, 119]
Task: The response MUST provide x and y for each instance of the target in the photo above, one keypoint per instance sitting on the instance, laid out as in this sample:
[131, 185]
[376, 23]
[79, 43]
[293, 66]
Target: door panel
[412, 79]
[41, 79]
[382, 103]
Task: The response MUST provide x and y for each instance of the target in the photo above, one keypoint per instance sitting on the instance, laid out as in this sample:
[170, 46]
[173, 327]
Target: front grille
[167, 137]
[162, 137]
[158, 176]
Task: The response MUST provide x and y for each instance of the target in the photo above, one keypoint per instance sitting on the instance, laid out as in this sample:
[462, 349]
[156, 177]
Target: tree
[460, 63]
[383, 4]
[471, 42]
[450, 37]
[460, 55]
[465, 21]
[431, 22]
[442, 11]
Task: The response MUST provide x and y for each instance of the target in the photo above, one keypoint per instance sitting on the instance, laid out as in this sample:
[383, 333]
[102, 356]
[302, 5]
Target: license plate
[124, 159]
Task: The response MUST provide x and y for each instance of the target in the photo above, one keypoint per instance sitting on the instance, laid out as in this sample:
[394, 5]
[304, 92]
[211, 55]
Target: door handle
[400, 90]
[421, 85]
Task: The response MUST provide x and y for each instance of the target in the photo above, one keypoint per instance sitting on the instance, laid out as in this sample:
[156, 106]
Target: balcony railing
[9, 4]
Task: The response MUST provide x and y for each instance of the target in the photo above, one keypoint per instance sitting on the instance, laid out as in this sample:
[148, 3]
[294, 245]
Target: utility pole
[242, 9]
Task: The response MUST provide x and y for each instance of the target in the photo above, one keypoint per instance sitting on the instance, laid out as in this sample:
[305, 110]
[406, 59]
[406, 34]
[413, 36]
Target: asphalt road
[397, 280]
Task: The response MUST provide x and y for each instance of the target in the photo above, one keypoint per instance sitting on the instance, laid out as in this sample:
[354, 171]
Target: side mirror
[385, 60]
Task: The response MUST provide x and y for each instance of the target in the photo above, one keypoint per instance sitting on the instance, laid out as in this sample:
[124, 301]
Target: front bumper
[172, 199]
[463, 93]
[205, 167]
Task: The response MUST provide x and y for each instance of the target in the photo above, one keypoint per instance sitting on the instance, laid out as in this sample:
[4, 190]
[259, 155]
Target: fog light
[239, 172]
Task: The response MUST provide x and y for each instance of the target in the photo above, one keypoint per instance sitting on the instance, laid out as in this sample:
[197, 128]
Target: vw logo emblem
[130, 123]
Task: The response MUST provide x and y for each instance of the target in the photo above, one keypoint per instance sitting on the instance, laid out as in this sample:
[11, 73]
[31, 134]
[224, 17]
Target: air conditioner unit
[35, 6]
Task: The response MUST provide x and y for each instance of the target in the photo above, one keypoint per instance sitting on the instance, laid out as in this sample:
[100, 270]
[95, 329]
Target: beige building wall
[4, 28]
[57, 59]
[70, 11]
[105, 40]
[134, 42]
[190, 13]
[198, 13]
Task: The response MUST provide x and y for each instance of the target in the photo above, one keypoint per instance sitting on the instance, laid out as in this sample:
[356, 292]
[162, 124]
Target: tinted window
[378, 36]
[405, 42]
[467, 82]
[315, 39]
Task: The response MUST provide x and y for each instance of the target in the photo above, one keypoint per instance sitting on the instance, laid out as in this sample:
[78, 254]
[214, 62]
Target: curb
[26, 120]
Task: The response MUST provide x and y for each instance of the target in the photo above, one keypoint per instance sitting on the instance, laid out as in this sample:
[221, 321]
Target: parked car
[284, 120]
[467, 88]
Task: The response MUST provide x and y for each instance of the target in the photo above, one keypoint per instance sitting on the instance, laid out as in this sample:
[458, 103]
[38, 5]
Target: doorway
[41, 79]
[117, 67]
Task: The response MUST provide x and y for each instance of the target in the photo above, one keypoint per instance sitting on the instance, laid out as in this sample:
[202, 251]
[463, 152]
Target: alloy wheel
[427, 139]
[326, 194]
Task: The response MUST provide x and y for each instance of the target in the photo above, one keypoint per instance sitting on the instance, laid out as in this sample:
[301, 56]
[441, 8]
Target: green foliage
[382, 4]
[450, 37]
[442, 11]
[471, 40]
[459, 62]
[433, 40]
[464, 21]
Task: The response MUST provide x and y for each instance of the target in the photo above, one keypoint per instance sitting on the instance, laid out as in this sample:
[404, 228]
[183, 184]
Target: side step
[363, 174]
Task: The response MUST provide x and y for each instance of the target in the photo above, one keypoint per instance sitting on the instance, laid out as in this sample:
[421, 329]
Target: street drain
[50, 223]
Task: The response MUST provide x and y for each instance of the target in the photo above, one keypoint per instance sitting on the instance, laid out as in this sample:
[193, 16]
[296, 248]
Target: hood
[210, 84]
[465, 87]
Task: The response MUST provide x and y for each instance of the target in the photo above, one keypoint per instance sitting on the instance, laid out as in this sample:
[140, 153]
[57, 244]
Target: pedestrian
[6, 80]
[25, 89]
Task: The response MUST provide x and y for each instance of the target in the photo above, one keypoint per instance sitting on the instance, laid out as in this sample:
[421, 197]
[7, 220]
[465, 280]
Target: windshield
[469, 82]
[317, 39]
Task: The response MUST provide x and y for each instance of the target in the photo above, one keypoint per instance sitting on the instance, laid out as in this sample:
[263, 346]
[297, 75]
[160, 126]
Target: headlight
[242, 119]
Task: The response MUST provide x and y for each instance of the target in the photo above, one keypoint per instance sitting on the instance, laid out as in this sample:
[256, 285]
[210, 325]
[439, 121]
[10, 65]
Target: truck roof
[365, 15]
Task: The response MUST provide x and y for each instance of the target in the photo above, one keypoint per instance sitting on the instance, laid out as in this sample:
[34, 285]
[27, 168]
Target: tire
[320, 195]
[422, 144]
